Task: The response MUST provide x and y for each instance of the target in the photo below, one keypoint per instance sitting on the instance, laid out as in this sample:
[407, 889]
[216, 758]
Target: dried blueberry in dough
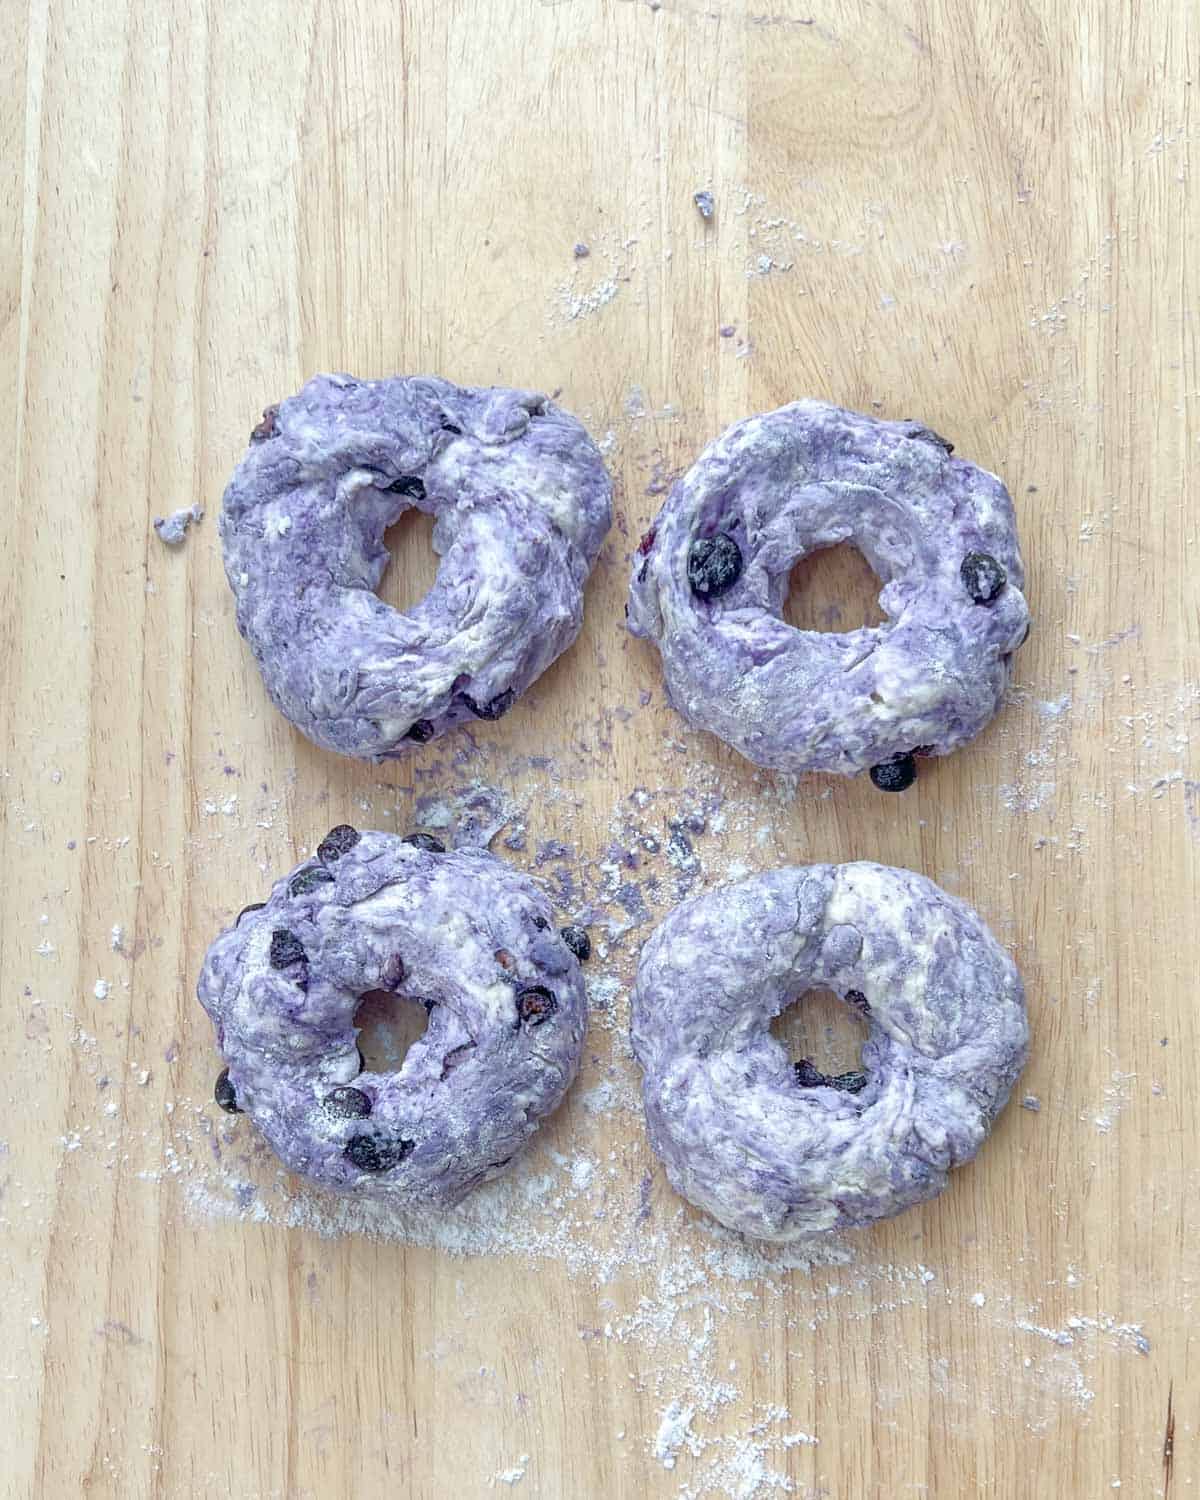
[286, 949]
[894, 775]
[427, 841]
[337, 841]
[225, 1094]
[714, 566]
[711, 577]
[377, 1153]
[982, 576]
[536, 1005]
[309, 880]
[502, 1042]
[495, 708]
[347, 1103]
[577, 940]
[778, 1150]
[521, 501]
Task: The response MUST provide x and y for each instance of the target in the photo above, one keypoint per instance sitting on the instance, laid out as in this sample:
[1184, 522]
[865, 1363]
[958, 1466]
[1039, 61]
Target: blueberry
[704, 202]
[540, 923]
[426, 841]
[226, 1095]
[254, 906]
[267, 427]
[809, 1077]
[408, 485]
[286, 948]
[495, 708]
[392, 975]
[927, 435]
[578, 942]
[858, 1000]
[714, 565]
[450, 427]
[894, 775]
[535, 1005]
[643, 551]
[849, 1083]
[982, 576]
[337, 841]
[346, 1103]
[309, 880]
[376, 1153]
[421, 732]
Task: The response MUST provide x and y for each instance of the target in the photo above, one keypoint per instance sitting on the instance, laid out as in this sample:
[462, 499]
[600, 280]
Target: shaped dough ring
[778, 1150]
[464, 934]
[522, 502]
[711, 577]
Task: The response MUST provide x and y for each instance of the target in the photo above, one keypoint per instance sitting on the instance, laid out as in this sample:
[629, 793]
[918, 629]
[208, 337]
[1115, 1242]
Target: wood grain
[984, 216]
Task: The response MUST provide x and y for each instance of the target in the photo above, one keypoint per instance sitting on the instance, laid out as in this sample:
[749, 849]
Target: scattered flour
[674, 1432]
[575, 302]
[513, 1475]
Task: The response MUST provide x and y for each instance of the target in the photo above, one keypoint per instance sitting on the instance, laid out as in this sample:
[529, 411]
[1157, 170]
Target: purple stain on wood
[119, 1332]
[1191, 805]
[550, 850]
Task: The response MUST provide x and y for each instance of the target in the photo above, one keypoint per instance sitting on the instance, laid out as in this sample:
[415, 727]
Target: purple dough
[778, 1150]
[522, 501]
[940, 534]
[462, 933]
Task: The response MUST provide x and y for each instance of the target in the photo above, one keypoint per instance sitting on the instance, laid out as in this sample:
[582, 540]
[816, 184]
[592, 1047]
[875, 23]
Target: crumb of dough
[173, 529]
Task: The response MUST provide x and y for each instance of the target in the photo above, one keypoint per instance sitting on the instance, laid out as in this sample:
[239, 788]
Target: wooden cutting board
[982, 216]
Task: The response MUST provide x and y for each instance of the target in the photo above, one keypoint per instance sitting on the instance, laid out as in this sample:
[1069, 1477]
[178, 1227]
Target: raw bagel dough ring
[711, 577]
[522, 503]
[461, 932]
[776, 1150]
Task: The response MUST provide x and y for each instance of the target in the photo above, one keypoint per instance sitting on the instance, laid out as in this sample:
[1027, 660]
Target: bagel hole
[819, 1026]
[412, 571]
[833, 589]
[388, 1024]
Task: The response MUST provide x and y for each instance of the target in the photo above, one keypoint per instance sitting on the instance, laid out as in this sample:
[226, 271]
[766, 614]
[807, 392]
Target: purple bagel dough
[738, 1131]
[462, 933]
[784, 485]
[522, 501]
